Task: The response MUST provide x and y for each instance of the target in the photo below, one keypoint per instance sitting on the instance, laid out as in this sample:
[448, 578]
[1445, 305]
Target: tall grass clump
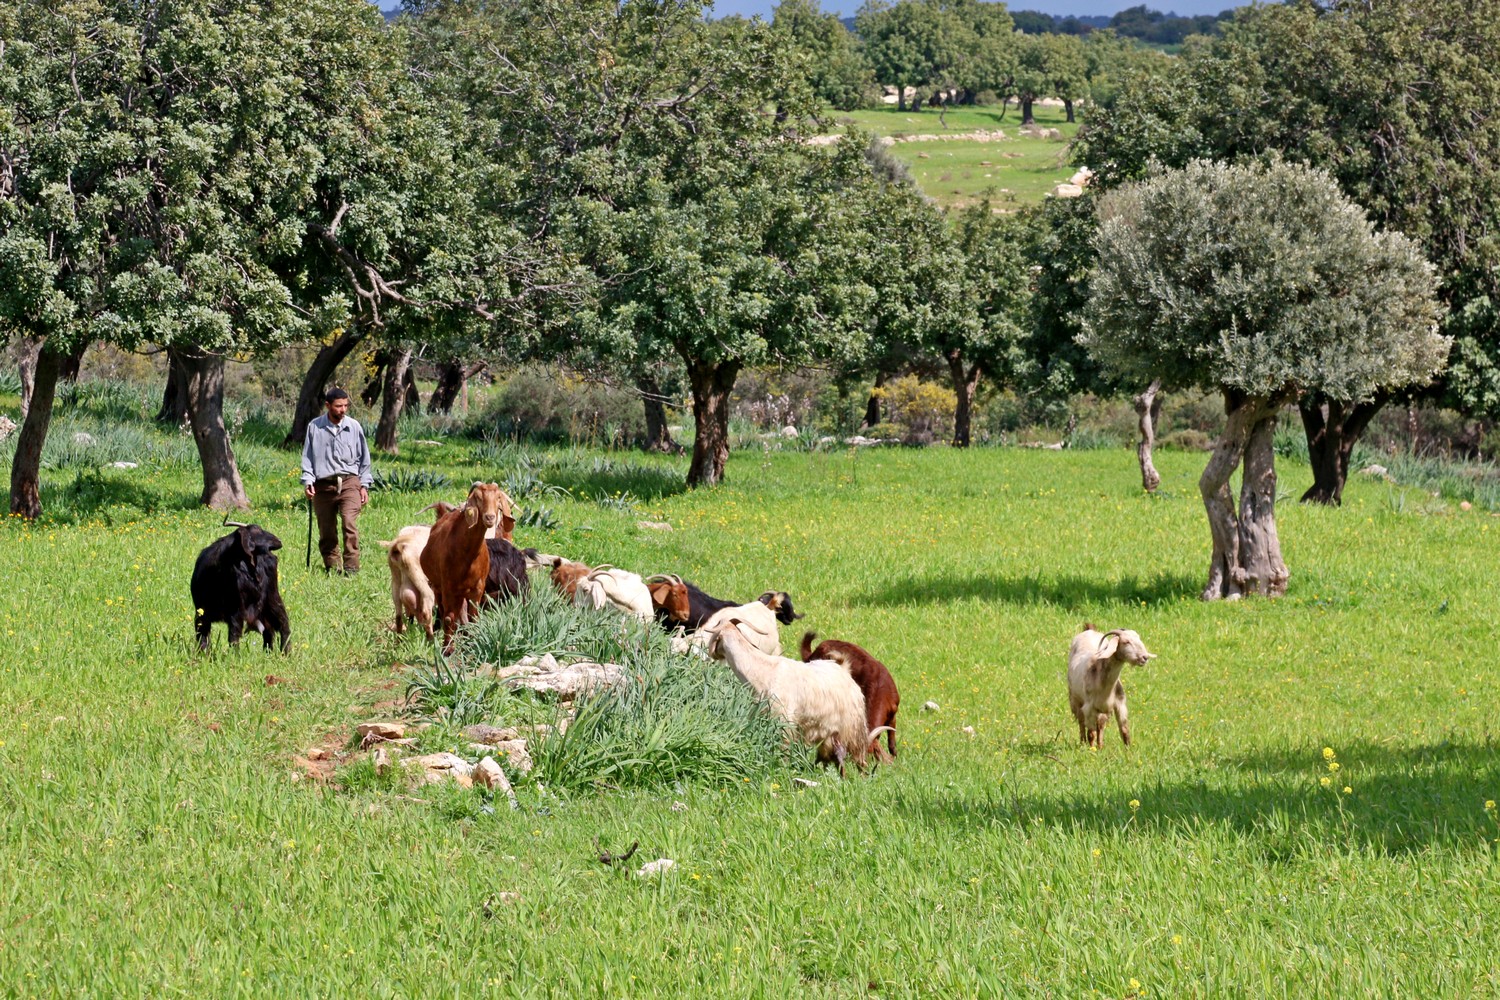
[675, 719]
[546, 622]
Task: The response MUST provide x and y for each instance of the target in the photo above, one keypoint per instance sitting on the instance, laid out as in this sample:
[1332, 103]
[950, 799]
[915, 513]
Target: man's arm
[307, 457]
[365, 478]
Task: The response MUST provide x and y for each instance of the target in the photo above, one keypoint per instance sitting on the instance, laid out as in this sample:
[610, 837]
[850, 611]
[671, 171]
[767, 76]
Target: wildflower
[1489, 805]
[1328, 753]
[1135, 984]
[1177, 939]
[1325, 781]
[1348, 790]
[1097, 852]
[1135, 804]
[1333, 765]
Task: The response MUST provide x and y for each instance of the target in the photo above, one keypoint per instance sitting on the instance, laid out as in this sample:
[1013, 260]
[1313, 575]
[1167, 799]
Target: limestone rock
[7, 427]
[804, 783]
[124, 465]
[515, 751]
[491, 735]
[929, 706]
[653, 525]
[656, 867]
[789, 431]
[1066, 191]
[968, 730]
[381, 760]
[440, 767]
[381, 731]
[1374, 470]
[564, 682]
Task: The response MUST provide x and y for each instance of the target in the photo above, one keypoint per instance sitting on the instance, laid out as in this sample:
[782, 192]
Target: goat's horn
[227, 523]
[476, 483]
[741, 621]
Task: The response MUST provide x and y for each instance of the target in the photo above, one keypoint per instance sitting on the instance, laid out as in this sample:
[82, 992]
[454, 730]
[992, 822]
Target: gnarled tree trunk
[872, 406]
[379, 362]
[451, 378]
[174, 408]
[1068, 104]
[658, 437]
[25, 470]
[1027, 118]
[30, 351]
[1247, 552]
[711, 383]
[1333, 428]
[964, 384]
[1148, 412]
[204, 372]
[394, 400]
[310, 399]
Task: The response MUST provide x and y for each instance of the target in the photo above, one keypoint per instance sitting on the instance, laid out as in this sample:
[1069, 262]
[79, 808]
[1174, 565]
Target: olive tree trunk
[174, 408]
[964, 384]
[1246, 549]
[393, 400]
[658, 437]
[1027, 118]
[1148, 412]
[30, 351]
[711, 384]
[25, 470]
[872, 405]
[222, 487]
[310, 399]
[451, 379]
[1332, 429]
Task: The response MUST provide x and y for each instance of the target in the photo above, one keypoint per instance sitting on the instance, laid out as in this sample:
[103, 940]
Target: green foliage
[547, 622]
[1261, 279]
[409, 480]
[834, 68]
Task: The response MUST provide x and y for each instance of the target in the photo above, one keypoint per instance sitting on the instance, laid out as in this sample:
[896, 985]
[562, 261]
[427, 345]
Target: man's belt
[326, 480]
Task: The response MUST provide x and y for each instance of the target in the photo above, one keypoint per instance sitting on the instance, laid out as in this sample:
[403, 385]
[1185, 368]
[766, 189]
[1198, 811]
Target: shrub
[923, 410]
[1187, 439]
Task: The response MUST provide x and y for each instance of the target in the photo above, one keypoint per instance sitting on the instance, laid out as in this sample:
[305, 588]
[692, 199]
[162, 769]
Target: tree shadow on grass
[604, 477]
[96, 496]
[1401, 801]
[1070, 592]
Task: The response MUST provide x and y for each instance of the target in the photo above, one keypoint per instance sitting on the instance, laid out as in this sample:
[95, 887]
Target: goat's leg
[236, 629]
[1100, 722]
[839, 755]
[1122, 716]
[890, 739]
[205, 629]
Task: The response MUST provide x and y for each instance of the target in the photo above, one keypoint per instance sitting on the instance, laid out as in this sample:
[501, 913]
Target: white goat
[606, 585]
[1094, 688]
[754, 621]
[411, 592]
[818, 697]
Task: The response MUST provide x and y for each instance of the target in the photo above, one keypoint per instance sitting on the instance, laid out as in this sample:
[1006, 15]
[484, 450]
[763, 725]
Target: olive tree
[1264, 283]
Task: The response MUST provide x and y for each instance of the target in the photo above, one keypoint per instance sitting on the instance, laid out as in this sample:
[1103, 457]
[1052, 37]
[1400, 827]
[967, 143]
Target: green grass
[1016, 171]
[157, 835]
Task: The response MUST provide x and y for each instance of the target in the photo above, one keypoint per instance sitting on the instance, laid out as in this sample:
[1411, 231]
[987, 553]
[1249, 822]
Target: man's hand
[364, 495]
[310, 490]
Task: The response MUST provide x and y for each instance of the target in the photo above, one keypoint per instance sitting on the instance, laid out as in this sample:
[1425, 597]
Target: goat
[503, 528]
[1094, 688]
[235, 581]
[818, 698]
[780, 602]
[564, 572]
[755, 621]
[411, 593]
[874, 680]
[507, 576]
[620, 588]
[456, 560]
[670, 600]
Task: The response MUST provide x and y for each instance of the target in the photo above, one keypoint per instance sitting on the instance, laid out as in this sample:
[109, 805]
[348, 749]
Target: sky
[847, 8]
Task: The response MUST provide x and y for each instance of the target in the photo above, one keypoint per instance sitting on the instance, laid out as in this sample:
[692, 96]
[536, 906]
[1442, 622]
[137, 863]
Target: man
[336, 478]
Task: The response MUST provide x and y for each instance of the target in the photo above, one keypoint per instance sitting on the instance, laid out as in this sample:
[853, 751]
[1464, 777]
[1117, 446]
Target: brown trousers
[337, 500]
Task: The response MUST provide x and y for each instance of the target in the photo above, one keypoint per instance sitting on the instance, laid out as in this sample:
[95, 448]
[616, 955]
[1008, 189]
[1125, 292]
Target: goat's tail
[808, 638]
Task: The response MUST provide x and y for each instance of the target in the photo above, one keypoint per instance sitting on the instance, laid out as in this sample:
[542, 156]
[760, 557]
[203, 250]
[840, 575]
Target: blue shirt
[335, 450]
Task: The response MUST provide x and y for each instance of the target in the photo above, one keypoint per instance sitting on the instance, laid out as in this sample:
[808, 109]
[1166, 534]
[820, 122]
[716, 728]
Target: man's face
[337, 409]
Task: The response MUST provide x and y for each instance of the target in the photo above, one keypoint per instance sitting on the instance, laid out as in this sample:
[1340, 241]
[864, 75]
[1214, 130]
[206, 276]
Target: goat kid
[411, 592]
[875, 683]
[1094, 689]
[235, 581]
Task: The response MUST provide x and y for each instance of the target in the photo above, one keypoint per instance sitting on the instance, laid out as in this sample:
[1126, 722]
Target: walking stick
[309, 532]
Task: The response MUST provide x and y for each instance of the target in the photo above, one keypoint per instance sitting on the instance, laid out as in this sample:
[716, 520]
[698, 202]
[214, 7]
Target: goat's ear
[507, 516]
[660, 592]
[247, 544]
[1108, 645]
[471, 515]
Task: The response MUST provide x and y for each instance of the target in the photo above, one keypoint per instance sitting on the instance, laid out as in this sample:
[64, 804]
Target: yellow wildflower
[1328, 753]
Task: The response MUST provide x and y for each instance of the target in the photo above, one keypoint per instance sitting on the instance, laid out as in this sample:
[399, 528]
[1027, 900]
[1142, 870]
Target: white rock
[653, 525]
[804, 783]
[489, 774]
[124, 465]
[789, 431]
[1465, 505]
[7, 427]
[491, 734]
[656, 867]
[828, 439]
[317, 753]
[439, 767]
[678, 807]
[83, 437]
[515, 751]
[381, 760]
[929, 706]
[968, 730]
[381, 730]
[1374, 470]
[1066, 191]
[426, 441]
[566, 682]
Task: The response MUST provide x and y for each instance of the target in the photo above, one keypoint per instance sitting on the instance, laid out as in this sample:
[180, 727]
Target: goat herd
[838, 697]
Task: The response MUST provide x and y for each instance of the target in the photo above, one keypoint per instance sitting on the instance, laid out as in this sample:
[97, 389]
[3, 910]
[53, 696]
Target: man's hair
[334, 393]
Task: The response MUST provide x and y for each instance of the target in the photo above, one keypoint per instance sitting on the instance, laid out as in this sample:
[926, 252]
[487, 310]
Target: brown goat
[669, 596]
[874, 680]
[566, 574]
[456, 561]
[503, 528]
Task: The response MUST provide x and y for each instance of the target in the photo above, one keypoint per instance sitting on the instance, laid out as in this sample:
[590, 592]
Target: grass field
[156, 836]
[1015, 171]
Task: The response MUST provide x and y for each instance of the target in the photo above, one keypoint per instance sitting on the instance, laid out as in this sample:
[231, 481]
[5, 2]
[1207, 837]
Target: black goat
[507, 577]
[234, 581]
[780, 602]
